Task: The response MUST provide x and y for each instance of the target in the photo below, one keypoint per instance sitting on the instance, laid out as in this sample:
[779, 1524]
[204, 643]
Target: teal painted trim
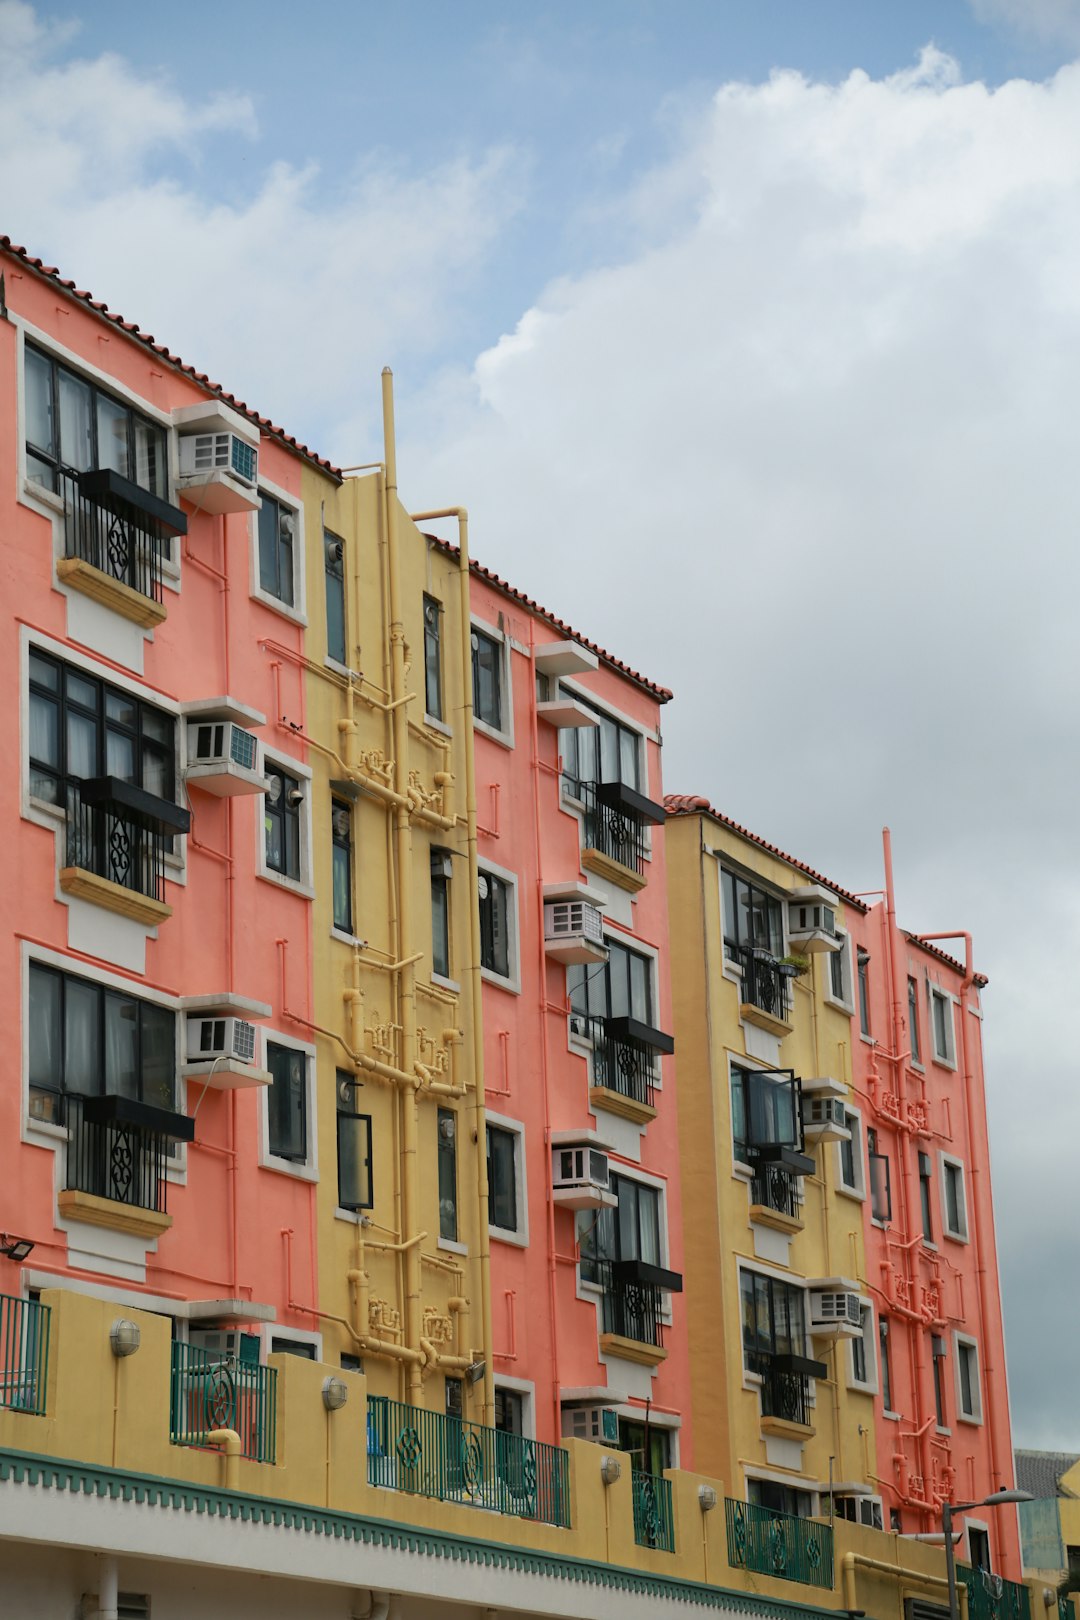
[88, 1479]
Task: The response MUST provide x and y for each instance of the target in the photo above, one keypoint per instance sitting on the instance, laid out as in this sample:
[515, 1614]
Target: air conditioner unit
[223, 759]
[824, 1118]
[223, 1344]
[210, 1038]
[204, 453]
[811, 916]
[859, 1510]
[597, 1423]
[574, 931]
[579, 1176]
[835, 1314]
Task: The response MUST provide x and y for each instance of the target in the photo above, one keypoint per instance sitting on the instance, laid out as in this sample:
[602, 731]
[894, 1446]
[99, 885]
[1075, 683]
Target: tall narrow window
[864, 992]
[334, 554]
[487, 672]
[886, 1365]
[851, 1160]
[341, 833]
[913, 1020]
[433, 704]
[955, 1212]
[942, 1016]
[859, 1366]
[838, 973]
[281, 818]
[448, 1227]
[440, 912]
[937, 1355]
[277, 537]
[286, 1103]
[353, 1147]
[502, 1178]
[924, 1197]
[493, 899]
[880, 1180]
[967, 1366]
[509, 1411]
[753, 918]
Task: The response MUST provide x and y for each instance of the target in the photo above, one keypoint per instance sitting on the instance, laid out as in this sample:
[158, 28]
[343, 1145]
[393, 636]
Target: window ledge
[603, 866]
[843, 1006]
[446, 984]
[970, 1419]
[867, 1040]
[852, 1192]
[292, 885]
[286, 1167]
[646, 1355]
[276, 605]
[452, 1246]
[956, 1237]
[502, 1234]
[35, 494]
[513, 986]
[344, 938]
[438, 725]
[503, 738]
[893, 1417]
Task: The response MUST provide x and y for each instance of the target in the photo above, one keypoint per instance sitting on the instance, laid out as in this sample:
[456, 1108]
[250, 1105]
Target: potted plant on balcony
[793, 967]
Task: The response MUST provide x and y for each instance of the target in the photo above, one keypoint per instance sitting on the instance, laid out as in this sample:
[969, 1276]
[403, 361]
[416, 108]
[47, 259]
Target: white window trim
[526, 1388]
[845, 1003]
[858, 1140]
[505, 734]
[309, 1169]
[297, 613]
[304, 885]
[512, 980]
[520, 1237]
[870, 1343]
[271, 1331]
[977, 1524]
[965, 1341]
[964, 1235]
[946, 1060]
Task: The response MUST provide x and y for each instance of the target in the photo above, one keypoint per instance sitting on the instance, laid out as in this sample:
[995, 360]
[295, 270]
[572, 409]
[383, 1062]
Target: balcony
[776, 1191]
[654, 1520]
[117, 838]
[625, 1064]
[208, 1392]
[992, 1597]
[785, 1394]
[117, 1157]
[766, 989]
[115, 536]
[613, 835]
[779, 1544]
[429, 1454]
[24, 1354]
[632, 1309]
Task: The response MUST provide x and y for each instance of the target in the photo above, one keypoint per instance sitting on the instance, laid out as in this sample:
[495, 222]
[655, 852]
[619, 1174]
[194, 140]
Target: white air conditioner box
[210, 1038]
[597, 1423]
[811, 915]
[579, 1176]
[219, 459]
[223, 758]
[835, 1312]
[226, 1344]
[574, 931]
[824, 1118]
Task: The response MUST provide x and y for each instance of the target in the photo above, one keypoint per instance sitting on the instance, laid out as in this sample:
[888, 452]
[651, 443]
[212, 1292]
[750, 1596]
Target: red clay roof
[661, 693]
[147, 340]
[694, 804]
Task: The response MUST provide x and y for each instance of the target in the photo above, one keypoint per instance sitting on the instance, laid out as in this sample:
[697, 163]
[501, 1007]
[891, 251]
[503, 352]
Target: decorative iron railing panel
[112, 536]
[992, 1597]
[785, 1394]
[24, 1353]
[654, 1518]
[430, 1454]
[221, 1392]
[613, 830]
[622, 1063]
[631, 1308]
[776, 1187]
[114, 1158]
[779, 1544]
[764, 985]
[115, 846]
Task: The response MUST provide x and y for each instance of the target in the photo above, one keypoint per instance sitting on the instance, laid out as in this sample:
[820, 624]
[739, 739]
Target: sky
[748, 332]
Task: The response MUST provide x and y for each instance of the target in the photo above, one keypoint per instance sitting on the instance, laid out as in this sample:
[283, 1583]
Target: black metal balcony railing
[779, 1544]
[775, 1186]
[764, 983]
[119, 1149]
[626, 1055]
[118, 528]
[785, 1387]
[615, 820]
[633, 1299]
[120, 832]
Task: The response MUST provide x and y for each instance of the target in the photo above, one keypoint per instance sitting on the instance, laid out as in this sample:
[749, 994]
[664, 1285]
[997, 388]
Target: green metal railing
[24, 1354]
[429, 1454]
[220, 1392]
[779, 1544]
[654, 1520]
[992, 1597]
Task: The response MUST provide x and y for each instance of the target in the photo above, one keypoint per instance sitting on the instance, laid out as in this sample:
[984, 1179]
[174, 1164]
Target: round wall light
[335, 1392]
[124, 1337]
[610, 1470]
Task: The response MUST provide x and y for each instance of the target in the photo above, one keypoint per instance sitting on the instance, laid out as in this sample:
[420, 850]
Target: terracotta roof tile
[694, 804]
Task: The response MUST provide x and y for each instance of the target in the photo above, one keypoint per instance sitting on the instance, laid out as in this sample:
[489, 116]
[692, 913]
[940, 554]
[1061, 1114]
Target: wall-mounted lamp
[335, 1392]
[707, 1498]
[475, 1371]
[610, 1470]
[16, 1248]
[124, 1337]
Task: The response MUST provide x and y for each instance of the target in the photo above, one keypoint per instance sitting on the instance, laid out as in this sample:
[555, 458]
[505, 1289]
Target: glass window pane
[342, 884]
[628, 758]
[609, 750]
[121, 1045]
[354, 1161]
[119, 706]
[640, 997]
[82, 1038]
[150, 469]
[158, 1079]
[440, 927]
[268, 549]
[502, 1179]
[39, 405]
[45, 1030]
[112, 426]
[82, 736]
[40, 472]
[44, 730]
[738, 1112]
[649, 1224]
[448, 1224]
[76, 423]
[157, 772]
[158, 726]
[587, 754]
[120, 755]
[287, 1103]
[285, 558]
[81, 691]
[275, 855]
[292, 841]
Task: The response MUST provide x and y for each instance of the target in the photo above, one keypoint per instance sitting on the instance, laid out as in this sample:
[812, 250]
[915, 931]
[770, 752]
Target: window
[606, 752]
[509, 1411]
[765, 1107]
[941, 1015]
[433, 704]
[859, 1510]
[334, 557]
[81, 728]
[886, 1365]
[621, 988]
[454, 1397]
[630, 1231]
[648, 1446]
[778, 1498]
[850, 1157]
[341, 836]
[924, 1197]
[493, 894]
[286, 1103]
[880, 1180]
[863, 959]
[88, 1040]
[277, 539]
[440, 912]
[447, 1127]
[969, 1395]
[954, 1203]
[292, 1347]
[487, 675]
[840, 971]
[863, 1369]
[979, 1548]
[753, 918]
[73, 426]
[773, 1319]
[502, 1147]
[281, 818]
[937, 1356]
[913, 1020]
[353, 1147]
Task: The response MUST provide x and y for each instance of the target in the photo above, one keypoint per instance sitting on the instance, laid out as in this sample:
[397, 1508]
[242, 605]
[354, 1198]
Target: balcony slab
[101, 891]
[755, 1015]
[613, 1102]
[601, 865]
[111, 593]
[646, 1355]
[94, 1211]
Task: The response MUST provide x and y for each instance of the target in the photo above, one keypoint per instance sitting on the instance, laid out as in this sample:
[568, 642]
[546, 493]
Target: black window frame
[768, 1335]
[737, 939]
[752, 1088]
[851, 1155]
[350, 1120]
[589, 987]
[488, 654]
[446, 1160]
[289, 817]
[926, 1176]
[341, 854]
[274, 546]
[880, 1179]
[275, 1053]
[941, 1410]
[860, 1351]
[440, 913]
[144, 747]
[967, 1372]
[913, 1020]
[55, 461]
[433, 682]
[499, 1195]
[509, 1411]
[334, 570]
[886, 1364]
[836, 970]
[863, 966]
[495, 953]
[608, 1235]
[610, 751]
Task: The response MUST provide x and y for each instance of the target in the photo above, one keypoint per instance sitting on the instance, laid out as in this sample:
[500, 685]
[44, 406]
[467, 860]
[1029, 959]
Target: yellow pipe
[475, 982]
[230, 1441]
[898, 1572]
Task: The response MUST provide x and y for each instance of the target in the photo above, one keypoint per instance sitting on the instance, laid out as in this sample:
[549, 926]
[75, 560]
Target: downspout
[230, 1442]
[911, 1577]
[108, 1589]
[475, 982]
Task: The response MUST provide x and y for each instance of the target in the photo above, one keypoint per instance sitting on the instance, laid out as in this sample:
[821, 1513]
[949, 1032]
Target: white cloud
[1053, 21]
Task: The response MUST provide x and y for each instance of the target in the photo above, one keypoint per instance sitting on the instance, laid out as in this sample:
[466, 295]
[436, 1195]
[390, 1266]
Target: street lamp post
[997, 1499]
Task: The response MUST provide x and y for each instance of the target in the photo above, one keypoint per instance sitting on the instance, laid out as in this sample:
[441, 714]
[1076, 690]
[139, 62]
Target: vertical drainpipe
[108, 1588]
[406, 973]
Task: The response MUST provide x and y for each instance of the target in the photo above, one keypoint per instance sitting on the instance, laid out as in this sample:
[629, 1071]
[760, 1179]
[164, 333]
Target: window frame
[306, 1169]
[740, 1071]
[511, 979]
[962, 1232]
[442, 884]
[926, 1210]
[857, 1146]
[446, 1154]
[330, 572]
[433, 673]
[573, 739]
[285, 500]
[862, 976]
[337, 806]
[731, 876]
[843, 957]
[872, 1153]
[287, 766]
[938, 997]
[597, 974]
[914, 1026]
[517, 1235]
[90, 380]
[772, 1282]
[347, 1097]
[504, 731]
[605, 1225]
[869, 1340]
[966, 1352]
[885, 1370]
